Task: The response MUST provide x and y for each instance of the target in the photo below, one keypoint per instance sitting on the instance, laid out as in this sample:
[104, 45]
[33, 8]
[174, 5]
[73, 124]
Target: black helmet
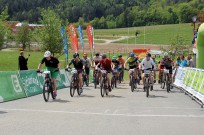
[148, 55]
[97, 54]
[120, 55]
[75, 55]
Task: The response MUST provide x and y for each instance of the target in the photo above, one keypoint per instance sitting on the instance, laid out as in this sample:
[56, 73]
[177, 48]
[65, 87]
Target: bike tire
[120, 77]
[72, 88]
[151, 88]
[46, 93]
[112, 82]
[115, 83]
[163, 83]
[78, 91]
[147, 91]
[132, 84]
[102, 88]
[168, 84]
[87, 82]
[52, 93]
[95, 82]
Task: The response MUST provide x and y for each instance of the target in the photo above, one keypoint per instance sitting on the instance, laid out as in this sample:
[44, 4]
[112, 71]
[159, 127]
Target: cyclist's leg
[54, 84]
[108, 78]
[143, 75]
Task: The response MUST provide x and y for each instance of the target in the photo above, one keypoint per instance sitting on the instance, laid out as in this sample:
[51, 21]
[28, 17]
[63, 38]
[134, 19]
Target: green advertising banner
[186, 76]
[11, 87]
[32, 83]
[201, 82]
[190, 78]
[196, 85]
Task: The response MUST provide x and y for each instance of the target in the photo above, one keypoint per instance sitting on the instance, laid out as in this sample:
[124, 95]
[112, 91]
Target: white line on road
[103, 114]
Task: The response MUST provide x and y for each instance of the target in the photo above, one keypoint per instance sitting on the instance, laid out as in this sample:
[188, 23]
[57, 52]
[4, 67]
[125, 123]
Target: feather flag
[64, 42]
[81, 36]
[89, 32]
[73, 36]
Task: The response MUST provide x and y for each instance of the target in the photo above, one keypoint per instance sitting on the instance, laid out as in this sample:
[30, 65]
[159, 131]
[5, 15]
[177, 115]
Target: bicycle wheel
[102, 88]
[87, 81]
[78, 90]
[46, 91]
[132, 83]
[112, 82]
[53, 97]
[147, 91]
[72, 88]
[120, 77]
[168, 84]
[163, 82]
[95, 81]
[115, 82]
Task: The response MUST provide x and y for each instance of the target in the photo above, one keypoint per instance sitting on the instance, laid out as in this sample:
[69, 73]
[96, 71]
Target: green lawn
[160, 34]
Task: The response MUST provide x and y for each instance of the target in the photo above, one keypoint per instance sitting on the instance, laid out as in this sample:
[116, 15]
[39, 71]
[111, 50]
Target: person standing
[22, 61]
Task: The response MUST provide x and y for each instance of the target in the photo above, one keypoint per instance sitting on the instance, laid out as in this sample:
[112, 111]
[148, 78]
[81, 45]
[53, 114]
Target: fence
[21, 84]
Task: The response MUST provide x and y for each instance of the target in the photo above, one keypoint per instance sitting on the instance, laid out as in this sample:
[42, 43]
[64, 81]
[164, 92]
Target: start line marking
[103, 114]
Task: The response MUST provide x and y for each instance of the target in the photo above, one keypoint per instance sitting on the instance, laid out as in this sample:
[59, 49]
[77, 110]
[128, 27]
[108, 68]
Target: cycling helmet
[132, 54]
[47, 54]
[85, 55]
[76, 53]
[114, 58]
[166, 54]
[120, 55]
[104, 56]
[148, 55]
[97, 54]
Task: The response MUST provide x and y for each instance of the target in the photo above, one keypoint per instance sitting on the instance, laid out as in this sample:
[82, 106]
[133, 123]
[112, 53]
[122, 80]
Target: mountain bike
[167, 79]
[74, 84]
[120, 77]
[48, 87]
[104, 83]
[96, 78]
[114, 79]
[133, 82]
[147, 83]
[85, 79]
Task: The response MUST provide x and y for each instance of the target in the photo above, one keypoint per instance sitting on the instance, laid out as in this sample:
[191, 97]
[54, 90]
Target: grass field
[160, 34]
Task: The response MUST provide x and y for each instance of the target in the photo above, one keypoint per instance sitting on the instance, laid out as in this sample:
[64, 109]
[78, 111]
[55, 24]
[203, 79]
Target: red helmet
[85, 55]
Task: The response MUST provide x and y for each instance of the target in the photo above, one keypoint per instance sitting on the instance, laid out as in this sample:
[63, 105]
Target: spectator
[178, 61]
[190, 62]
[183, 62]
[22, 61]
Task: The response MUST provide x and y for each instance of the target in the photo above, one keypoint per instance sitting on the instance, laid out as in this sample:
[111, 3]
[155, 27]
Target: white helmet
[47, 54]
[166, 54]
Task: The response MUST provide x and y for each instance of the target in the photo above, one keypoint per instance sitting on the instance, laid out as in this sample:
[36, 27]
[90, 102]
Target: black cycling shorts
[132, 67]
[87, 70]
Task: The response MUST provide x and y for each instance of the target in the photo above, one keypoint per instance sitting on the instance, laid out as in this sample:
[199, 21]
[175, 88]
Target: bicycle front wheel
[147, 91]
[72, 88]
[102, 88]
[132, 84]
[46, 91]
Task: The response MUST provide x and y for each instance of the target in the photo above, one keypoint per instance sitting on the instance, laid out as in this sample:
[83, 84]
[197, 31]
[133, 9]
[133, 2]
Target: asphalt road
[121, 113]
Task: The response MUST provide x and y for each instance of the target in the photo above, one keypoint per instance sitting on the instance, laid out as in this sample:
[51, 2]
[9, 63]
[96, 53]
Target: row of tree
[107, 13]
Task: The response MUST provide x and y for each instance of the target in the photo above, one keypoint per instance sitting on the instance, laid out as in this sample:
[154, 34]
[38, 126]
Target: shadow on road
[154, 96]
[2, 112]
[61, 101]
[113, 96]
[89, 96]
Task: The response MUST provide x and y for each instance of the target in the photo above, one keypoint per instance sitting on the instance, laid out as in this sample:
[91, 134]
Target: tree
[23, 36]
[49, 34]
[3, 29]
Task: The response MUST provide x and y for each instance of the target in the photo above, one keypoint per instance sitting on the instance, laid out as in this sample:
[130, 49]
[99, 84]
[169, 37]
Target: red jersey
[106, 64]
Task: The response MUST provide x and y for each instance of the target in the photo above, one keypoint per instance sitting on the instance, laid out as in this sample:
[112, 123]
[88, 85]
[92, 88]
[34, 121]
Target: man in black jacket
[22, 61]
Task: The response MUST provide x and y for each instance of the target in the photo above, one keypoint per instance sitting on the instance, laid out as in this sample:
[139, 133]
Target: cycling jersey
[147, 64]
[132, 62]
[96, 59]
[122, 61]
[116, 63]
[77, 65]
[53, 62]
[166, 62]
[106, 64]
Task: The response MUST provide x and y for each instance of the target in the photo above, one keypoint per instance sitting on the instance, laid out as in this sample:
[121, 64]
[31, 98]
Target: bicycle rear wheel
[112, 82]
[147, 91]
[46, 91]
[78, 91]
[168, 84]
[52, 94]
[87, 81]
[163, 82]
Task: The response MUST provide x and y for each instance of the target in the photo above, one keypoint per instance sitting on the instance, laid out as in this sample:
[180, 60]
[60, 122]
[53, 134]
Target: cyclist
[147, 64]
[133, 64]
[115, 65]
[87, 64]
[79, 66]
[167, 63]
[53, 65]
[122, 62]
[106, 65]
[96, 60]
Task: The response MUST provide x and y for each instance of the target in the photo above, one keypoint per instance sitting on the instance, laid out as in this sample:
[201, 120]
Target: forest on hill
[107, 13]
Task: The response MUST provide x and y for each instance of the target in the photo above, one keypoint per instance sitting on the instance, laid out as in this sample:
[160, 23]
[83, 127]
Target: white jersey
[97, 59]
[147, 64]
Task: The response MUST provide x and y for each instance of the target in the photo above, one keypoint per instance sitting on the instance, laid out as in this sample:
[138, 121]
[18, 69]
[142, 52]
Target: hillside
[108, 13]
